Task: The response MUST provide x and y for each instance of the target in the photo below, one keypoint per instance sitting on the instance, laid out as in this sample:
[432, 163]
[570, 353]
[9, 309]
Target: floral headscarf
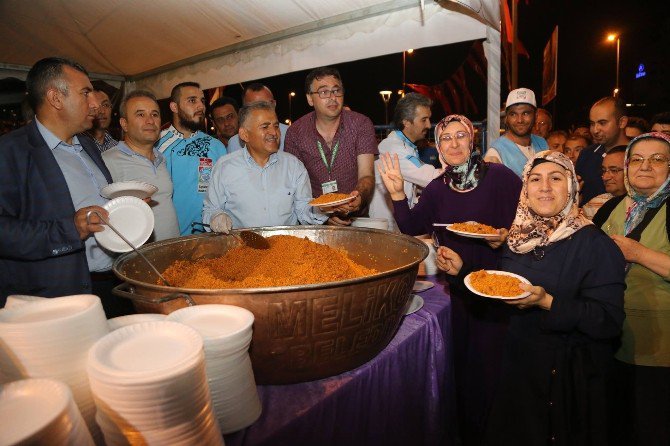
[639, 203]
[530, 231]
[466, 176]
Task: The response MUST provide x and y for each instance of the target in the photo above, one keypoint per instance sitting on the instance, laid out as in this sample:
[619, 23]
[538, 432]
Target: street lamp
[386, 95]
[290, 97]
[612, 38]
[404, 53]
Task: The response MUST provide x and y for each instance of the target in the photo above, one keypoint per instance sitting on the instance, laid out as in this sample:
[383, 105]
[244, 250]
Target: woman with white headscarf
[469, 190]
[561, 338]
[638, 223]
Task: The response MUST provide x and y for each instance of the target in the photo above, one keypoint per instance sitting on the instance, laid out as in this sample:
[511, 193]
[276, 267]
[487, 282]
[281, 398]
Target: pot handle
[127, 291]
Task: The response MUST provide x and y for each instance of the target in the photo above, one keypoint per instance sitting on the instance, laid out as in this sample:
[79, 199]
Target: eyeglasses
[325, 94]
[447, 137]
[222, 119]
[611, 170]
[655, 160]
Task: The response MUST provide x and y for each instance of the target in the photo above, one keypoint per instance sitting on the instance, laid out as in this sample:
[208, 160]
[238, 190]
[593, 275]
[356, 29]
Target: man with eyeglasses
[411, 120]
[226, 122]
[517, 145]
[190, 153]
[612, 177]
[99, 134]
[337, 146]
[608, 121]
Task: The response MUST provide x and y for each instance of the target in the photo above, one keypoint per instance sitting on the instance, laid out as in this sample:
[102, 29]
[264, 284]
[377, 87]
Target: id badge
[329, 187]
[204, 174]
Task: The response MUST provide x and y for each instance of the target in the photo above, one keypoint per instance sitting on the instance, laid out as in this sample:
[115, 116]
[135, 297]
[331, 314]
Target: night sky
[586, 63]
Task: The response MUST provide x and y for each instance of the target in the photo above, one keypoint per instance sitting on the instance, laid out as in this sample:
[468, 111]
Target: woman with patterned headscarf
[469, 190]
[638, 223]
[561, 337]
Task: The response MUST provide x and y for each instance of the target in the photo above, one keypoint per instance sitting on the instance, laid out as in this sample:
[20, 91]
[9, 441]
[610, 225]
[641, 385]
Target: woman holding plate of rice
[561, 339]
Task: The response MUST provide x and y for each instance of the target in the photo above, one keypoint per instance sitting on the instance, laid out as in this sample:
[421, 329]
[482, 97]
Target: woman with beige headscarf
[561, 338]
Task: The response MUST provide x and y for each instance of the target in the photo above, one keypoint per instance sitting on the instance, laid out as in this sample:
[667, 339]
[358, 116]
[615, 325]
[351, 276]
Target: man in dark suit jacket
[43, 236]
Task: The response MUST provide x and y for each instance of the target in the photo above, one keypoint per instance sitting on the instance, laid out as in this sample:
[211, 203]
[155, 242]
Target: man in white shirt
[411, 119]
[259, 185]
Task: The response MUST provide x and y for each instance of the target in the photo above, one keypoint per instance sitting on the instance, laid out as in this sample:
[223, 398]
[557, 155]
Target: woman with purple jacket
[469, 190]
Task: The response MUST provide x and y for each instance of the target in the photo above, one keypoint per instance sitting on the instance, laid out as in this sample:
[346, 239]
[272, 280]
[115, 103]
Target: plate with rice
[496, 284]
[470, 229]
[331, 199]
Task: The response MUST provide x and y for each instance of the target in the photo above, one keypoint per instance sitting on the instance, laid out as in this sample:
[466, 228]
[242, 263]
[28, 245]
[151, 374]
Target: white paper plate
[130, 319]
[369, 222]
[138, 189]
[465, 233]
[422, 285]
[130, 216]
[215, 321]
[503, 273]
[148, 350]
[416, 305]
[333, 203]
[29, 407]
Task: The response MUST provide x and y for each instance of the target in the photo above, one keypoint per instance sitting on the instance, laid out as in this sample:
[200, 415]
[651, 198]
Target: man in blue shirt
[517, 145]
[259, 185]
[256, 92]
[190, 153]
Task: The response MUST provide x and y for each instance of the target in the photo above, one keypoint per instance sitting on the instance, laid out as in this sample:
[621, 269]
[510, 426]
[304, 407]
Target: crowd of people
[583, 215]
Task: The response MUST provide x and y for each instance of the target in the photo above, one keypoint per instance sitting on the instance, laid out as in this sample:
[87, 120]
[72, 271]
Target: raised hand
[389, 170]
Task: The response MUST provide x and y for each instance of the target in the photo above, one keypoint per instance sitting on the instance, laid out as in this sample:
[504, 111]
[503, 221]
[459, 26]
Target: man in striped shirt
[99, 134]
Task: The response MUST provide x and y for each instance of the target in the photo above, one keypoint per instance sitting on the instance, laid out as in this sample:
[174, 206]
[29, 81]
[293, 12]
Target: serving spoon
[250, 238]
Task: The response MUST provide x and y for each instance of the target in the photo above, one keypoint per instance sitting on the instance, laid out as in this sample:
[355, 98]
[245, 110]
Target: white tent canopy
[157, 44]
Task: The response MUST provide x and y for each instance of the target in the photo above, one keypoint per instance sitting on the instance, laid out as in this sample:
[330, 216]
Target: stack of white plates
[150, 387]
[40, 412]
[50, 339]
[226, 331]
[123, 321]
[16, 300]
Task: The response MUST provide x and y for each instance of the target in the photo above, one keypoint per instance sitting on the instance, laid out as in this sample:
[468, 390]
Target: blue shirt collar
[252, 162]
[404, 138]
[54, 141]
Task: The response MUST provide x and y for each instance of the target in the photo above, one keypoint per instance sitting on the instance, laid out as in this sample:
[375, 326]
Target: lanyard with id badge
[331, 185]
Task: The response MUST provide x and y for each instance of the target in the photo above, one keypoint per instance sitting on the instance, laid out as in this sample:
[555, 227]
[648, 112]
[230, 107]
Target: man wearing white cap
[517, 145]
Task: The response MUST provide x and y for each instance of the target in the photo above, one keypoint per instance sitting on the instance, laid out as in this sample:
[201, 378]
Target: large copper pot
[304, 332]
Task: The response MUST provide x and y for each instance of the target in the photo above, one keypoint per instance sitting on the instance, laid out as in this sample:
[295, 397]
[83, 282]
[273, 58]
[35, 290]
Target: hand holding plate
[86, 225]
[499, 240]
[538, 298]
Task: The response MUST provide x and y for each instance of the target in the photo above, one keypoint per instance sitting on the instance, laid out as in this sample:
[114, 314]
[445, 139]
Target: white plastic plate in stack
[51, 339]
[40, 411]
[226, 331]
[130, 372]
[123, 321]
[138, 189]
[16, 300]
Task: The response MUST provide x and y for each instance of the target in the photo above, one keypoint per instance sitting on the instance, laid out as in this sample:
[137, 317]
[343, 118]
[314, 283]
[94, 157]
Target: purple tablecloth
[404, 396]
